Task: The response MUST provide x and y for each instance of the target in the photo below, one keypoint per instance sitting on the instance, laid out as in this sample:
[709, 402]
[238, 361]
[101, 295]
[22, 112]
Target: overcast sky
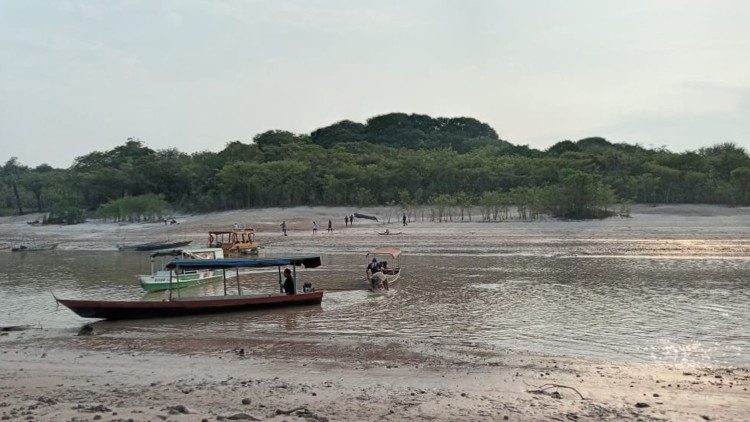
[79, 76]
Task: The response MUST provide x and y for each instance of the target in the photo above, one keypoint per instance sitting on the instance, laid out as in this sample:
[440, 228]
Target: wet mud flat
[47, 376]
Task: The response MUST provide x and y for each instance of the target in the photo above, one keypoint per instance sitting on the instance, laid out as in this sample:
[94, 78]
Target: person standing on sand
[403, 219]
[351, 219]
[315, 227]
[346, 221]
[330, 227]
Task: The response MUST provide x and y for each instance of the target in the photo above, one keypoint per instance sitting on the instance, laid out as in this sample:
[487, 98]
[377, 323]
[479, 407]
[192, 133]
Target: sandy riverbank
[70, 378]
[678, 223]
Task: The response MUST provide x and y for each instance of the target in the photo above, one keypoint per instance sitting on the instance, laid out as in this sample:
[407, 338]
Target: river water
[623, 290]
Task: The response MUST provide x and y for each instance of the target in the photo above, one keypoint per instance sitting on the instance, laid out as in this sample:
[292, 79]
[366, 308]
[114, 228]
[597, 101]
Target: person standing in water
[403, 219]
[346, 221]
[330, 227]
[315, 227]
[283, 227]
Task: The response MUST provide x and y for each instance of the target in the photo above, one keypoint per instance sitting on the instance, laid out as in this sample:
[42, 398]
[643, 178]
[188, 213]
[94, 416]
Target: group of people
[376, 273]
[348, 221]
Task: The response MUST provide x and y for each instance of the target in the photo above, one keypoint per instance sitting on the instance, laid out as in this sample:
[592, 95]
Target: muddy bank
[281, 379]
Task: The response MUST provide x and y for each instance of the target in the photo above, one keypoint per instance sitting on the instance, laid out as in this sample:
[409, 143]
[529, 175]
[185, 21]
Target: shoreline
[72, 377]
[96, 235]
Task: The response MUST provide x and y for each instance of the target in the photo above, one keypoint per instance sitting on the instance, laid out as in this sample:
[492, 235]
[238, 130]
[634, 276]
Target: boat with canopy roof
[392, 258]
[180, 306]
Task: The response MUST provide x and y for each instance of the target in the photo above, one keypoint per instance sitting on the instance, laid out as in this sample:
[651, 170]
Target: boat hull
[111, 309]
[154, 246]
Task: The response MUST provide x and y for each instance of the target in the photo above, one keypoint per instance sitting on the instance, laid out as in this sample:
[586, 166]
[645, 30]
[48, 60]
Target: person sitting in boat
[288, 282]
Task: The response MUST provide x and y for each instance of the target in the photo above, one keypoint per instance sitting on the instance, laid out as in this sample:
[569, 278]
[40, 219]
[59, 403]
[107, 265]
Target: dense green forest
[399, 159]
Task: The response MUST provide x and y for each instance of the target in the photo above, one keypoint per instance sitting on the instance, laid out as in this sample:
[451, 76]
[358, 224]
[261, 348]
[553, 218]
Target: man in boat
[384, 270]
[288, 282]
[374, 274]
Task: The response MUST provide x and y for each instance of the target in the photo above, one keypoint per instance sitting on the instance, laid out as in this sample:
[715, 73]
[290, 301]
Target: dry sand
[61, 376]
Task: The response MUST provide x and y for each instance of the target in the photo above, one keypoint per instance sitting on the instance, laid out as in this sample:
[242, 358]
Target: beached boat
[32, 248]
[236, 243]
[389, 233]
[179, 306]
[154, 246]
[160, 279]
[365, 216]
[389, 256]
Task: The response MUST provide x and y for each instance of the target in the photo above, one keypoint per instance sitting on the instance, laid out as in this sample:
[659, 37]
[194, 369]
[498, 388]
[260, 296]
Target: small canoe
[32, 248]
[153, 246]
[365, 216]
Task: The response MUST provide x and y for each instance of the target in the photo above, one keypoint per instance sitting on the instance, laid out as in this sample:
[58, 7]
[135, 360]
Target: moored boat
[154, 246]
[32, 248]
[160, 280]
[236, 243]
[180, 306]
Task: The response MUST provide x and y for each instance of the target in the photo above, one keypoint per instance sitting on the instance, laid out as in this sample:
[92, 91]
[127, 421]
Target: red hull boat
[136, 309]
[120, 309]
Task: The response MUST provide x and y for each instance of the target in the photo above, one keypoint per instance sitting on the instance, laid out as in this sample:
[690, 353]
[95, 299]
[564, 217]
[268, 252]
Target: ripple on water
[643, 308]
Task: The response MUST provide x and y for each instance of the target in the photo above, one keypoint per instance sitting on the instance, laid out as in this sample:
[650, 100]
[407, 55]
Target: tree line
[393, 159]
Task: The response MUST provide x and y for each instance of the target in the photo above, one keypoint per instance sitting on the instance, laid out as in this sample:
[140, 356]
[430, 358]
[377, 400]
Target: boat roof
[305, 261]
[246, 230]
[386, 250]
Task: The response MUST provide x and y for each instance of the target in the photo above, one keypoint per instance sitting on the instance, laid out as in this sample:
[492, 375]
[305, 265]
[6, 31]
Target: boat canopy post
[170, 284]
[239, 289]
[281, 285]
[177, 275]
[294, 277]
[224, 276]
[152, 265]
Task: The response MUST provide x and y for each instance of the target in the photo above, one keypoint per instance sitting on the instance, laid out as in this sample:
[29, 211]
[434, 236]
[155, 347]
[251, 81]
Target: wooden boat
[236, 243]
[153, 246]
[180, 306]
[113, 309]
[365, 216]
[32, 248]
[393, 270]
[160, 280]
[389, 233]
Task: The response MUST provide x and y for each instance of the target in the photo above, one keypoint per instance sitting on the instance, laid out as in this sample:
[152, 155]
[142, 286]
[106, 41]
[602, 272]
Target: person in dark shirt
[288, 282]
[372, 269]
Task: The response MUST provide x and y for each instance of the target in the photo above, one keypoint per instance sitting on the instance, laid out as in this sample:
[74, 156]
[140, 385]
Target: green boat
[164, 280]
